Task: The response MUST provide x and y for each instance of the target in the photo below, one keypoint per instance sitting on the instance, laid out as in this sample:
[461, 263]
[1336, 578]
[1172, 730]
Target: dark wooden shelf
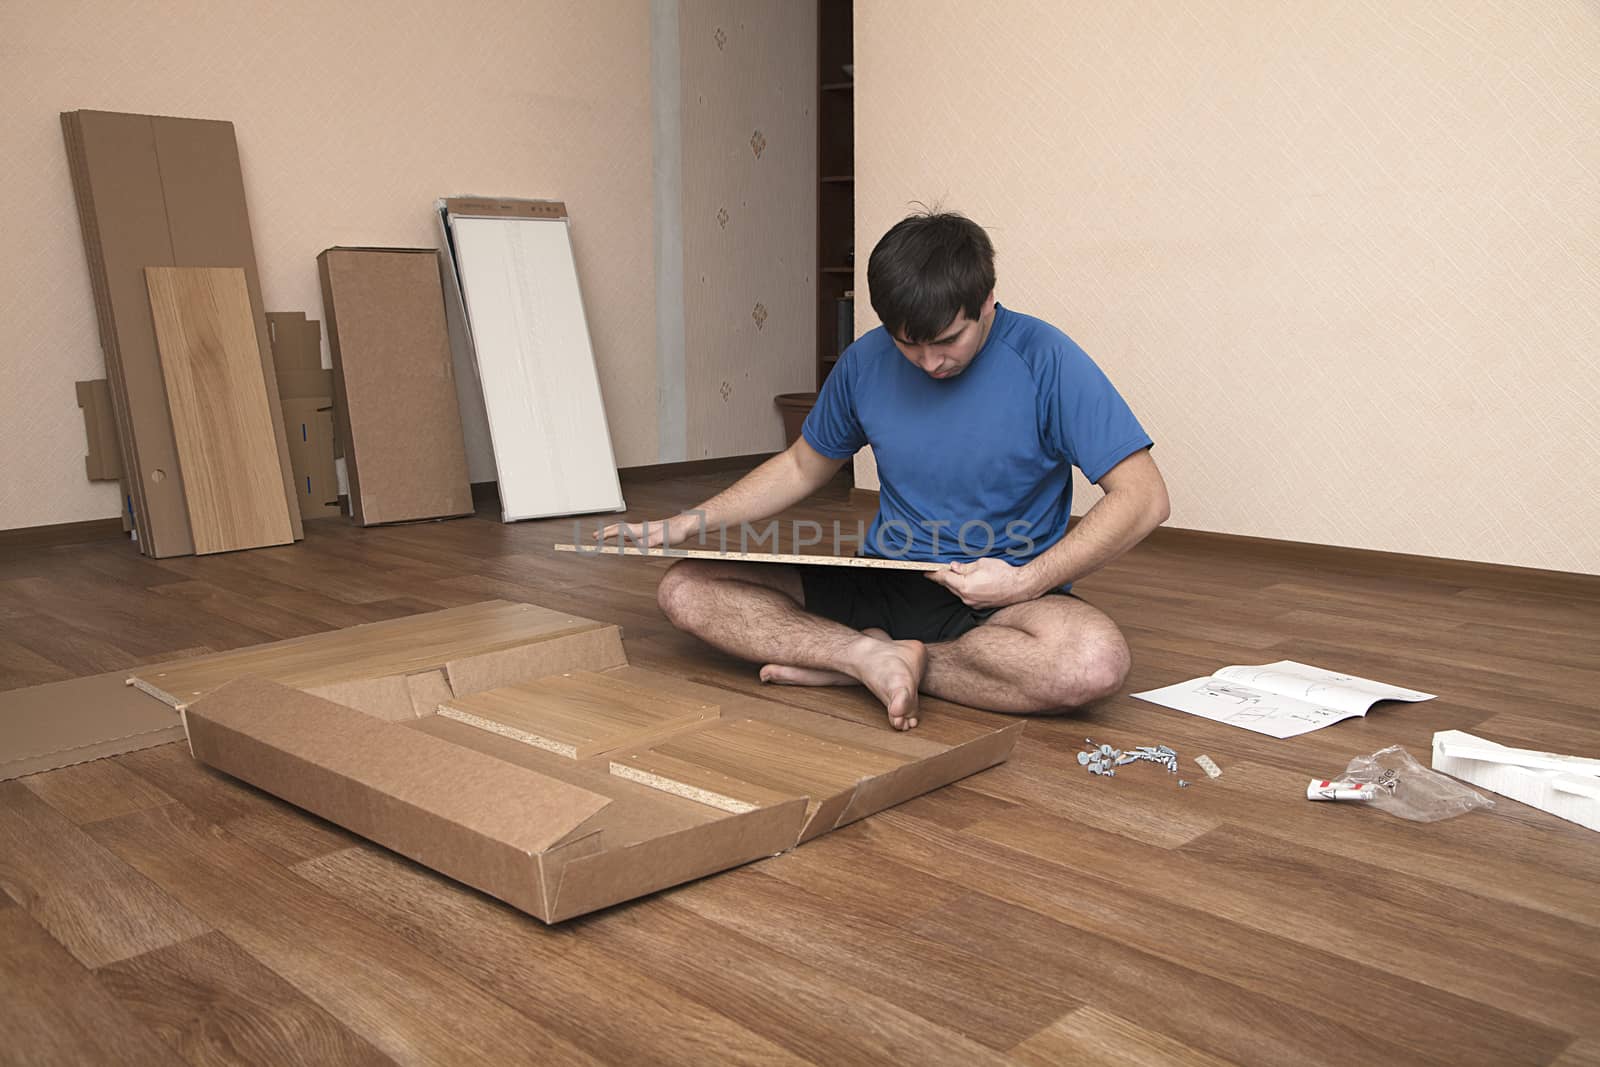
[835, 193]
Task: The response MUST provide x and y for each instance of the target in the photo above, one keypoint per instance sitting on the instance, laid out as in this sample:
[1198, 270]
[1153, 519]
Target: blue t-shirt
[979, 464]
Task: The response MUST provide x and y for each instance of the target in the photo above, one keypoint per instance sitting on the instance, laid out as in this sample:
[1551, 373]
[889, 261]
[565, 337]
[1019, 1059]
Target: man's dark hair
[927, 268]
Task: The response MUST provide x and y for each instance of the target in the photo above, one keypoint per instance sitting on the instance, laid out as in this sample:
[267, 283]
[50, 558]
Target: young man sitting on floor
[976, 415]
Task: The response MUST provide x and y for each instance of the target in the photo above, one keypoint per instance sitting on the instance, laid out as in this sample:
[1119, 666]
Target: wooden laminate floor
[155, 911]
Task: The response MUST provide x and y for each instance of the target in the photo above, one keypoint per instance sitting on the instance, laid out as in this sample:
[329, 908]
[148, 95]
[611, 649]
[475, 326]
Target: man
[977, 415]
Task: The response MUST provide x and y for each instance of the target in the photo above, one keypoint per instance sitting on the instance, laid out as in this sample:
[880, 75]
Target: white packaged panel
[552, 448]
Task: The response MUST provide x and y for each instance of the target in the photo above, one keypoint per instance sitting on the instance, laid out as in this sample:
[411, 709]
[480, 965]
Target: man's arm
[1135, 503]
[780, 482]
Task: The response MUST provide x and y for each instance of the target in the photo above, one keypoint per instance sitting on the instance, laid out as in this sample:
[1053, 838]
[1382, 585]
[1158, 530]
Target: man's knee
[679, 587]
[1094, 671]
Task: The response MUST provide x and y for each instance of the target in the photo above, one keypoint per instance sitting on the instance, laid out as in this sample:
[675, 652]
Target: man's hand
[654, 533]
[985, 583]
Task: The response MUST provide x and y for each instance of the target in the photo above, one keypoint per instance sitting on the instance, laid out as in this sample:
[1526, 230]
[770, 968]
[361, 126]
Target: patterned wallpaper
[351, 119]
[1343, 259]
[749, 76]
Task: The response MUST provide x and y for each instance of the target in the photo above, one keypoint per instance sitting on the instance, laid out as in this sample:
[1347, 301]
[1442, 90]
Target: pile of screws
[1104, 760]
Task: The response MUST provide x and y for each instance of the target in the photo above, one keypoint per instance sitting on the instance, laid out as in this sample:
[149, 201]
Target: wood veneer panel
[380, 649]
[576, 715]
[743, 764]
[211, 364]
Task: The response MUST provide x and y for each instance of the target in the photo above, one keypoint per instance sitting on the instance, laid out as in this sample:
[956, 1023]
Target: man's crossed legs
[1045, 655]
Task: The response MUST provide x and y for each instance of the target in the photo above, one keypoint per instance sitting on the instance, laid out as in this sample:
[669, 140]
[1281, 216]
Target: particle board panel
[404, 646]
[742, 764]
[702, 785]
[221, 419]
[577, 715]
[547, 419]
[869, 562]
[394, 386]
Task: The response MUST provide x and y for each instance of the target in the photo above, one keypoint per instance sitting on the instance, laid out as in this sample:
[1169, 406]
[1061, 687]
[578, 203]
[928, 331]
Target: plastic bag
[1402, 786]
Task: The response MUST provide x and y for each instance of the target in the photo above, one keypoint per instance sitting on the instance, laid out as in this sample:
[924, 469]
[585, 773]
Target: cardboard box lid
[314, 753]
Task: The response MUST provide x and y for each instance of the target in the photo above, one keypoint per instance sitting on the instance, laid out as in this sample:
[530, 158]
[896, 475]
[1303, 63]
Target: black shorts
[908, 605]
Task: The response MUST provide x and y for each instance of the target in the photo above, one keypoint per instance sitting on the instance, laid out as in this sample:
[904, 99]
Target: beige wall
[1343, 259]
[352, 117]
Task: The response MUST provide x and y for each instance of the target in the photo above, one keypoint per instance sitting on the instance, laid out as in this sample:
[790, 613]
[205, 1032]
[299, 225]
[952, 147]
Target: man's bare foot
[893, 671]
[784, 674]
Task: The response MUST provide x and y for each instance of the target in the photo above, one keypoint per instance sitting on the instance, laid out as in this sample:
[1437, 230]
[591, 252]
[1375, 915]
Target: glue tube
[1336, 789]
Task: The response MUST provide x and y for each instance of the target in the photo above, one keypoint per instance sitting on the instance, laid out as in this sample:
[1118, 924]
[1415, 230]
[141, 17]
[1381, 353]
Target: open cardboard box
[551, 834]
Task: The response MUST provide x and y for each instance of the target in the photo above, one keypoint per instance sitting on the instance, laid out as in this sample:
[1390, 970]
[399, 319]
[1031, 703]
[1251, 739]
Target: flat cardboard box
[394, 384]
[551, 835]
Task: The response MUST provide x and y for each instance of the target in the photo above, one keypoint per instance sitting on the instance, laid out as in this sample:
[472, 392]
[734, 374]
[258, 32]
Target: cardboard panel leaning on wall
[306, 391]
[210, 227]
[102, 460]
[394, 385]
[159, 191]
[123, 216]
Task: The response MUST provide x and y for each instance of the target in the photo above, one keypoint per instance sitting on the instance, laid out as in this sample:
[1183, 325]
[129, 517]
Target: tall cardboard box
[394, 384]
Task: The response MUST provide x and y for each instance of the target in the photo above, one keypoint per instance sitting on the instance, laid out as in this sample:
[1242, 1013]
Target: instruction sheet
[1280, 699]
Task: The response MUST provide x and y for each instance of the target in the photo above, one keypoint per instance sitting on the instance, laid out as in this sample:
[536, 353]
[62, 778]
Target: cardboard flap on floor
[474, 639]
[58, 724]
